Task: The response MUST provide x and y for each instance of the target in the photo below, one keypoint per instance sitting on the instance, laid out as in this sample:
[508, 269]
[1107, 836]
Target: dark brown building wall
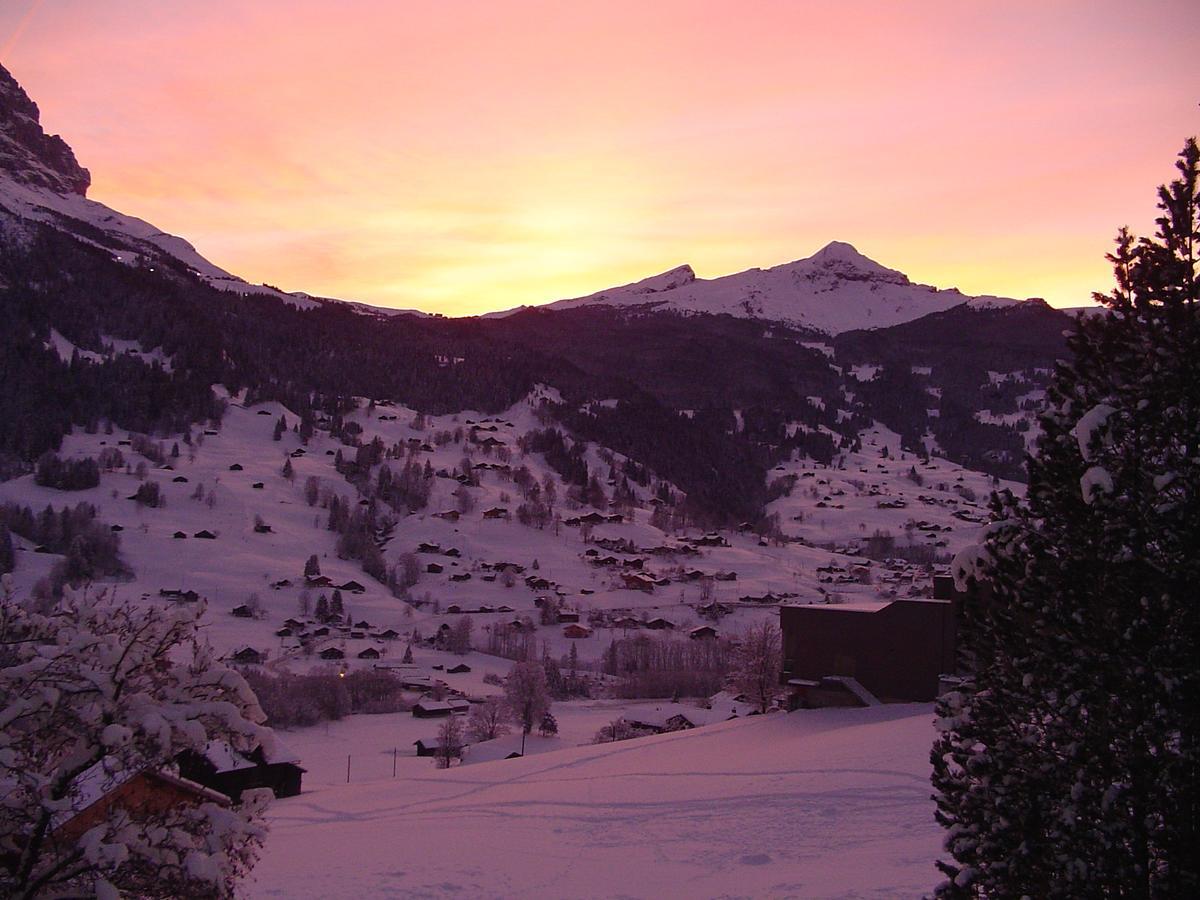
[896, 652]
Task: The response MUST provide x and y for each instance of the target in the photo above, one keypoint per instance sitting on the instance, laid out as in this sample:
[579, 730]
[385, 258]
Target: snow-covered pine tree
[1067, 761]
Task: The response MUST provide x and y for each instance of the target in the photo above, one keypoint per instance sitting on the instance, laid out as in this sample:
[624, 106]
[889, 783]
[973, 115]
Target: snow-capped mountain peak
[839, 259]
[42, 182]
[836, 289]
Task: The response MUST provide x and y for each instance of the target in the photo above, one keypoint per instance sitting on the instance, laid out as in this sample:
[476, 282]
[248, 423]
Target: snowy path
[831, 803]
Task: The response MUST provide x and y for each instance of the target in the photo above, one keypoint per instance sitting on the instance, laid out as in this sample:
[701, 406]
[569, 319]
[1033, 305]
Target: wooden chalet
[142, 795]
[230, 772]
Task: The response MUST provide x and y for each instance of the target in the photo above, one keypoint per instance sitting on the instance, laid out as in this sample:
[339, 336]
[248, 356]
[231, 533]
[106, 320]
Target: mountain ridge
[835, 290]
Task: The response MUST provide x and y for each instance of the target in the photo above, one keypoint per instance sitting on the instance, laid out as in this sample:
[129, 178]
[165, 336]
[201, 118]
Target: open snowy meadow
[818, 803]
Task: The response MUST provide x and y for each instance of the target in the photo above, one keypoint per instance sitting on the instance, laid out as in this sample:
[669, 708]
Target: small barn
[431, 709]
[703, 633]
[459, 669]
[575, 631]
[242, 612]
[332, 653]
[369, 653]
[205, 535]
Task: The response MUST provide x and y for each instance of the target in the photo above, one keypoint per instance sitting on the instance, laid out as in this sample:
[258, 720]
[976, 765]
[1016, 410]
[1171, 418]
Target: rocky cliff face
[27, 154]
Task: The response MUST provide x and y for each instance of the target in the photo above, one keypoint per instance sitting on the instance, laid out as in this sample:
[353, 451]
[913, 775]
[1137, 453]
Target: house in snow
[332, 653]
[230, 772]
[142, 794]
[575, 631]
[248, 656]
[431, 709]
[896, 651]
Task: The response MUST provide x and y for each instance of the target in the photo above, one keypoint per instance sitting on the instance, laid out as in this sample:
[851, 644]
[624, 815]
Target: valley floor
[818, 803]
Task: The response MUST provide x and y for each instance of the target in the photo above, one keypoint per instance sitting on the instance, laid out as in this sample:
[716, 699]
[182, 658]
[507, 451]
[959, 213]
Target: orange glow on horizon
[468, 157]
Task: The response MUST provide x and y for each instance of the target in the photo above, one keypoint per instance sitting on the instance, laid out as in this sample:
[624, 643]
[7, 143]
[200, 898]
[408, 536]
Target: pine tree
[337, 607]
[1067, 762]
[7, 557]
[312, 567]
[322, 611]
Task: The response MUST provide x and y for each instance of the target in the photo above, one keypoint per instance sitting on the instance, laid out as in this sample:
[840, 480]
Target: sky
[461, 157]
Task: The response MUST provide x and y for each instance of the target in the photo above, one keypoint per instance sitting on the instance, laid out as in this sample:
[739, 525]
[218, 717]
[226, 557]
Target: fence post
[347, 768]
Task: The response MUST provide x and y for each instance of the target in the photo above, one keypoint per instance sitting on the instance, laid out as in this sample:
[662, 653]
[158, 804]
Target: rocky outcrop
[27, 154]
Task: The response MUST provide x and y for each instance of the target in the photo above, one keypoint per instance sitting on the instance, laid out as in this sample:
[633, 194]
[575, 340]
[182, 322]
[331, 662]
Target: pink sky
[468, 156]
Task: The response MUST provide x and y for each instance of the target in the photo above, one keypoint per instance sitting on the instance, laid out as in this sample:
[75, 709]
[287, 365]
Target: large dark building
[898, 651]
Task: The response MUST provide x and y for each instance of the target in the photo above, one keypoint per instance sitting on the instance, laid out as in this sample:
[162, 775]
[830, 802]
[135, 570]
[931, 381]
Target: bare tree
[527, 695]
[488, 720]
[450, 742]
[459, 640]
[757, 663]
[120, 703]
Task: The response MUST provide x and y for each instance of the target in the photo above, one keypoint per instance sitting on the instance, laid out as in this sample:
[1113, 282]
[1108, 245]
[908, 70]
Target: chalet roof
[97, 782]
[432, 705]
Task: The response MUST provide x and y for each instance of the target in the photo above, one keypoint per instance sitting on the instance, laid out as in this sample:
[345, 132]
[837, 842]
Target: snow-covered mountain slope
[815, 803]
[836, 289]
[229, 480]
[41, 181]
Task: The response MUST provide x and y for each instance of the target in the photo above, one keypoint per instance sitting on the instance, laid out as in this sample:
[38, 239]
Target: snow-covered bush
[92, 694]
